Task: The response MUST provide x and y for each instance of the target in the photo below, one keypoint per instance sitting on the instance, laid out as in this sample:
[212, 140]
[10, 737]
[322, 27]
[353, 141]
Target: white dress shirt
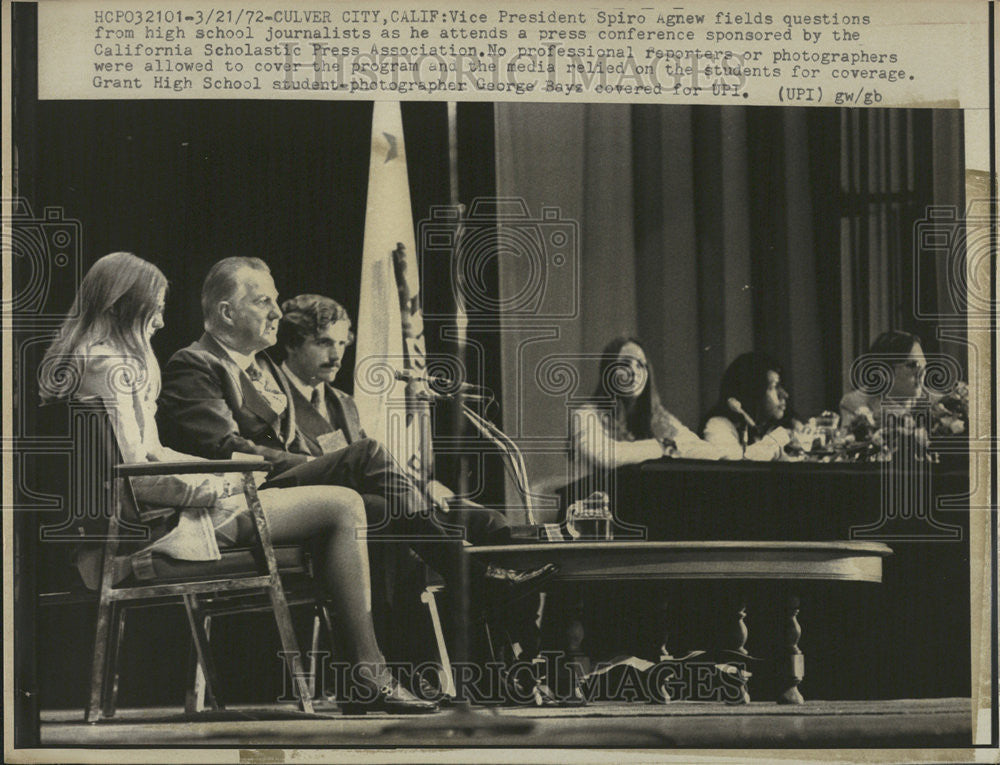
[309, 391]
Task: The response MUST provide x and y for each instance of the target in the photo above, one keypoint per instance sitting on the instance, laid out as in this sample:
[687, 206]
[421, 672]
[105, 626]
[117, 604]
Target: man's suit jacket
[311, 424]
[209, 407]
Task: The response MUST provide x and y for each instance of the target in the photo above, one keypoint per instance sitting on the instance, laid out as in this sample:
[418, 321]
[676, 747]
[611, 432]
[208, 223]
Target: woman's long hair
[745, 379]
[115, 302]
[640, 417]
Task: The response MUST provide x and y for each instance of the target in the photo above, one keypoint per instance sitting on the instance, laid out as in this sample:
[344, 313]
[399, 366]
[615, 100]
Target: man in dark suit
[313, 334]
[223, 395]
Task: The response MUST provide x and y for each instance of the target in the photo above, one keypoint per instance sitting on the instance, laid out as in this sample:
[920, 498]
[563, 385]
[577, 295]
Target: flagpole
[461, 630]
[463, 719]
[461, 319]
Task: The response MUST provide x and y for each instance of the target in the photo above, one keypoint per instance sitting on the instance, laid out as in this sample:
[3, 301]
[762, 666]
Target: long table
[922, 612]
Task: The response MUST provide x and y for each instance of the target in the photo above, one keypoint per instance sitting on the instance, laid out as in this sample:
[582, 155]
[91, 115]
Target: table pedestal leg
[566, 685]
[741, 655]
[793, 663]
[661, 694]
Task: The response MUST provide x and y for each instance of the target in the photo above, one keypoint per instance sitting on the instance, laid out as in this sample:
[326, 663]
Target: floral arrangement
[861, 439]
[950, 413]
[864, 440]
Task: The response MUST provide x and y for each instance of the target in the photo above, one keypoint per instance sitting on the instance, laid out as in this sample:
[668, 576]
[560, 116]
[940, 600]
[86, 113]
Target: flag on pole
[390, 320]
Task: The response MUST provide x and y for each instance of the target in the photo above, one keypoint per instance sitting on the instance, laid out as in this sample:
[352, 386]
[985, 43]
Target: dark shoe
[503, 586]
[391, 697]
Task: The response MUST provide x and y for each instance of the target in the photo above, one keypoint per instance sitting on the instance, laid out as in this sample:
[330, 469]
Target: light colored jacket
[203, 502]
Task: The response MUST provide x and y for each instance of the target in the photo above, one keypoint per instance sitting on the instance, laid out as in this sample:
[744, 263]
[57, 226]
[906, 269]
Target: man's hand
[439, 494]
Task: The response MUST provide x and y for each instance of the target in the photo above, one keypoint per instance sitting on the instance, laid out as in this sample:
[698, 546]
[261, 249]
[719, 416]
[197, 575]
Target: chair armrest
[128, 470]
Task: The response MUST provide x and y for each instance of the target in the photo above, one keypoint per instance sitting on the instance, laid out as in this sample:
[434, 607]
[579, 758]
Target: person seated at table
[751, 418]
[626, 423]
[904, 353]
[103, 352]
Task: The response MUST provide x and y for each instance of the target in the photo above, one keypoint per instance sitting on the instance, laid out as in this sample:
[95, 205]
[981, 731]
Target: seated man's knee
[377, 457]
[372, 448]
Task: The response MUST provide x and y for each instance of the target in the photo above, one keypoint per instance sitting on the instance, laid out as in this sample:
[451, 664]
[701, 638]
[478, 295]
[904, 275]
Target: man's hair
[305, 316]
[220, 282]
[894, 342]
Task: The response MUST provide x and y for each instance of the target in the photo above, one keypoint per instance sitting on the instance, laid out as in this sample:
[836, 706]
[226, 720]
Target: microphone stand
[509, 449]
[462, 718]
[748, 421]
[511, 452]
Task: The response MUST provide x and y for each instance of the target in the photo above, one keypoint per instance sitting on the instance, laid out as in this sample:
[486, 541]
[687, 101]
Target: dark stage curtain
[186, 183]
[710, 231]
[894, 165]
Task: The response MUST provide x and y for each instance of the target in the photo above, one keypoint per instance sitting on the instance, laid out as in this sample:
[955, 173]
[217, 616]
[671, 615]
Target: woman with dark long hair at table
[103, 352]
[751, 418]
[626, 423]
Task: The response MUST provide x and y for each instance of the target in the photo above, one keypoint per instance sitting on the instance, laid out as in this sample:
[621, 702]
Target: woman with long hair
[103, 352]
[751, 418]
[625, 422]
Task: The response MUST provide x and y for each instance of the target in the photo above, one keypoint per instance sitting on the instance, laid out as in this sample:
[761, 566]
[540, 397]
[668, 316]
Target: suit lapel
[310, 423]
[210, 344]
[346, 412]
[252, 400]
[288, 417]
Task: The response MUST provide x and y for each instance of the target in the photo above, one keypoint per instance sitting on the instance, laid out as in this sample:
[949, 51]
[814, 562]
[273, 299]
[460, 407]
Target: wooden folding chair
[257, 569]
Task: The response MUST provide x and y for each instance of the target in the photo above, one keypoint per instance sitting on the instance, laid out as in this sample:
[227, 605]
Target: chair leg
[289, 646]
[324, 613]
[196, 620]
[193, 694]
[197, 690]
[313, 653]
[117, 638]
[99, 665]
[445, 677]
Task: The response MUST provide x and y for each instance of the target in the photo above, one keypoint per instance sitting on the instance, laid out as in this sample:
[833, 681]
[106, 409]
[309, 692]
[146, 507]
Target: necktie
[320, 405]
[266, 388]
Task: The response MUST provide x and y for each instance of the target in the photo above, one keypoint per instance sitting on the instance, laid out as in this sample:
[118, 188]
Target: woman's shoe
[391, 697]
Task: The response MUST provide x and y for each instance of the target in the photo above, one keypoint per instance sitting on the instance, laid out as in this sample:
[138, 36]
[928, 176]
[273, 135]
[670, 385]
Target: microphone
[406, 375]
[737, 407]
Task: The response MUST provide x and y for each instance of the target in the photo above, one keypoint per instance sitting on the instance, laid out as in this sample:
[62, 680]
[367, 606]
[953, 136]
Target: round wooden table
[631, 560]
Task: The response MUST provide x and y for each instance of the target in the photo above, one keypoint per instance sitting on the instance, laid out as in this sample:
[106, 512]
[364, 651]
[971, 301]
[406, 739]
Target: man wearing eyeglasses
[903, 353]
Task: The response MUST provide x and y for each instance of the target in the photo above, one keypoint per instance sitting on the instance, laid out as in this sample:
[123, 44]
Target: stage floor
[906, 723]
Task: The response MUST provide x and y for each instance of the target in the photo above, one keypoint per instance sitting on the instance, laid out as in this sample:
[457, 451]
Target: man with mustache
[313, 334]
[223, 395]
